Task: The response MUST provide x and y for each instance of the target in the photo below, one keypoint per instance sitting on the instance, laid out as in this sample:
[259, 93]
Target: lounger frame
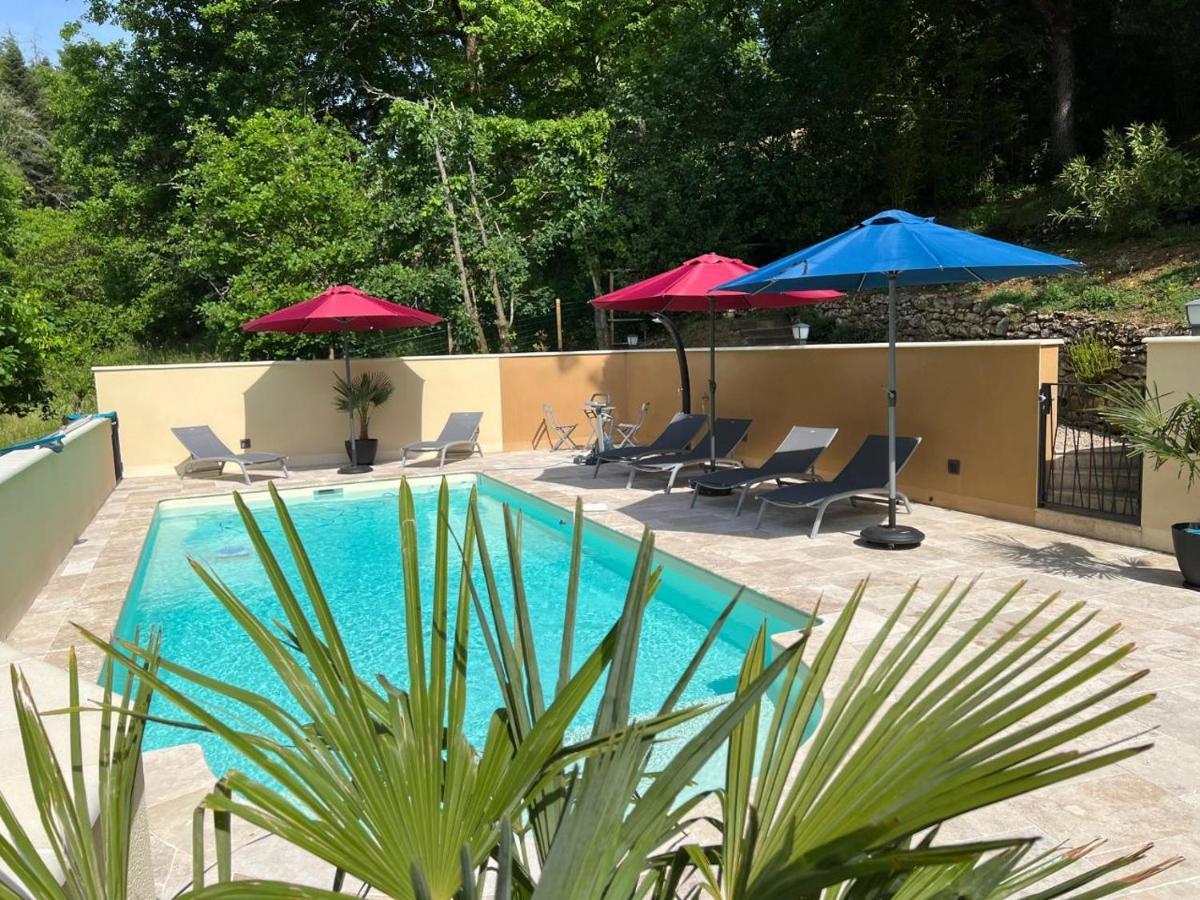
[218, 461]
[860, 492]
[730, 433]
[443, 447]
[821, 505]
[673, 469]
[799, 439]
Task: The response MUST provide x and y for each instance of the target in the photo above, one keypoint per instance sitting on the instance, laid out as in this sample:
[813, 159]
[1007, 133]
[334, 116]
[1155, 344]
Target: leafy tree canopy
[481, 158]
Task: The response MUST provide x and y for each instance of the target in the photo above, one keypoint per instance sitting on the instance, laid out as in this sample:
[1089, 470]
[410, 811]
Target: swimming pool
[352, 536]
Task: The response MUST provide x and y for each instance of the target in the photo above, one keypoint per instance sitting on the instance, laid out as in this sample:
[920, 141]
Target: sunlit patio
[1150, 798]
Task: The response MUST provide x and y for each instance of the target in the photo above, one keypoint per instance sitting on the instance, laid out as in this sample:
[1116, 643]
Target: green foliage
[1170, 435]
[1092, 360]
[1138, 183]
[14, 429]
[85, 862]
[25, 344]
[826, 330]
[922, 729]
[26, 339]
[227, 157]
[25, 130]
[1158, 298]
[271, 213]
[364, 392]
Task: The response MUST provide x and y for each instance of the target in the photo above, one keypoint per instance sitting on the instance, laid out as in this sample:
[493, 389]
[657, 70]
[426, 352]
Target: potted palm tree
[1169, 435]
[362, 394]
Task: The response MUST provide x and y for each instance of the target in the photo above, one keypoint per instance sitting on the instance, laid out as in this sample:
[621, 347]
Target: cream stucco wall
[975, 402]
[287, 407]
[1173, 369]
[47, 499]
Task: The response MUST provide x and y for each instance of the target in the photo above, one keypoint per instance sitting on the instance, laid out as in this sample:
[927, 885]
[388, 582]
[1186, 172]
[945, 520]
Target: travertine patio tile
[1144, 798]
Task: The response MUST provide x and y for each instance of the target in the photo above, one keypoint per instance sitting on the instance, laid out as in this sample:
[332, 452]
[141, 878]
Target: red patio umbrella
[342, 308]
[689, 288]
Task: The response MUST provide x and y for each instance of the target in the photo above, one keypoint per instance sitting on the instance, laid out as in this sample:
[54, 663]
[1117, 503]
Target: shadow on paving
[711, 515]
[1070, 559]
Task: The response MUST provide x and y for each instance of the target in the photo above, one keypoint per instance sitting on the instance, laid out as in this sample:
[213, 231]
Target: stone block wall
[942, 317]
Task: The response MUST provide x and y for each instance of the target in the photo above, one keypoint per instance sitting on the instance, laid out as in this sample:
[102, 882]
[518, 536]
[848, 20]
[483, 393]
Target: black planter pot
[366, 451]
[1187, 551]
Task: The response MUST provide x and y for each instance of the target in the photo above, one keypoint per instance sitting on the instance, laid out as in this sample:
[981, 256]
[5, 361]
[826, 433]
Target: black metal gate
[1085, 463]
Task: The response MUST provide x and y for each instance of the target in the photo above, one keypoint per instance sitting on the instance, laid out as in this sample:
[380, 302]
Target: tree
[25, 122]
[25, 339]
[271, 213]
[1059, 17]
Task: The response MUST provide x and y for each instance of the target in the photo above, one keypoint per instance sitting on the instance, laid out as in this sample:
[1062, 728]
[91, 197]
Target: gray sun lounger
[729, 433]
[461, 432]
[207, 451]
[793, 458]
[679, 433]
[865, 475]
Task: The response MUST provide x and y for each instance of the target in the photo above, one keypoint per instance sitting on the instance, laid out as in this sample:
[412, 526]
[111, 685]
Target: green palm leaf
[89, 864]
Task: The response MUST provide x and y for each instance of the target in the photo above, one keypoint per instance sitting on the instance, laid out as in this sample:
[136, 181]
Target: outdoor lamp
[1193, 316]
[800, 331]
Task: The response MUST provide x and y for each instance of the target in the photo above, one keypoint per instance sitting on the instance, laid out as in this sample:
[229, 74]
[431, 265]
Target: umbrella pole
[892, 536]
[712, 382]
[354, 468]
[891, 400]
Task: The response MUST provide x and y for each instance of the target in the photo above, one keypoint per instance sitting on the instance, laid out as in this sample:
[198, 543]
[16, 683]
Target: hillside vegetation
[481, 159]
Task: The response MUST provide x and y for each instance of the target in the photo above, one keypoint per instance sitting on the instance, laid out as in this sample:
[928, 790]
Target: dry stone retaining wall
[931, 317]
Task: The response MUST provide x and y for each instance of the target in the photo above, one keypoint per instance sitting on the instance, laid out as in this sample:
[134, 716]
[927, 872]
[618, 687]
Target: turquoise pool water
[352, 537]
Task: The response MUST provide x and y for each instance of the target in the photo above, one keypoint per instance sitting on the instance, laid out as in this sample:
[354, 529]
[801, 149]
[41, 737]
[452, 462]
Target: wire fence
[529, 332]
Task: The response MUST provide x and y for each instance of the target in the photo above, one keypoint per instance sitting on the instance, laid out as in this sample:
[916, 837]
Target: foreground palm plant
[1170, 435]
[382, 782]
[86, 865]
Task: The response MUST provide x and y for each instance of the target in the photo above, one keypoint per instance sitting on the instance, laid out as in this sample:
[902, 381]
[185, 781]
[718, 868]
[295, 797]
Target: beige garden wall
[1173, 369]
[288, 406]
[47, 500]
[975, 402]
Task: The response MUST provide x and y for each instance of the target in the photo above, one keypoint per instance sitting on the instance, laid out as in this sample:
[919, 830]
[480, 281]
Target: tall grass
[14, 429]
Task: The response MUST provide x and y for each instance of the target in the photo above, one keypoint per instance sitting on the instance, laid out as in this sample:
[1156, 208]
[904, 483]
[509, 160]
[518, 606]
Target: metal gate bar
[1085, 464]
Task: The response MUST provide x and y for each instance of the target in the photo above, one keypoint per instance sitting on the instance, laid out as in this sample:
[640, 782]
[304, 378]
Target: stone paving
[1152, 797]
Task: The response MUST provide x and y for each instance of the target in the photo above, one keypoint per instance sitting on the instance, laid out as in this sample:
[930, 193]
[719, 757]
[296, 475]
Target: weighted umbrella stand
[354, 468]
[891, 535]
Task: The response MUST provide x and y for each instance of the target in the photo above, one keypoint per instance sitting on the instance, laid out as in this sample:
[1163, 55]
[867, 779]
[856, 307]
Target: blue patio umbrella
[891, 249]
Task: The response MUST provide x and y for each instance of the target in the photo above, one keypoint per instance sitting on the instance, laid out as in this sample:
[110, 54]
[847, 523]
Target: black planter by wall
[1187, 551]
[366, 451]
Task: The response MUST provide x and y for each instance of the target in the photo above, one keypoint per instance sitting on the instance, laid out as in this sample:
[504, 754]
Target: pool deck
[1152, 797]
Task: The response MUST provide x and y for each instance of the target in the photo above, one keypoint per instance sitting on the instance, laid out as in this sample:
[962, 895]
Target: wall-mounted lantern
[1193, 316]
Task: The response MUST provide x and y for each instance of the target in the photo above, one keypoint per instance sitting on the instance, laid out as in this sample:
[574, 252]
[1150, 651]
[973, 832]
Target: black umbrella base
[354, 470]
[892, 537]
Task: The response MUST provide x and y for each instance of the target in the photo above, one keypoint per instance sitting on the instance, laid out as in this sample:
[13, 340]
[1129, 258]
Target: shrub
[1170, 435]
[363, 393]
[1138, 182]
[1092, 360]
